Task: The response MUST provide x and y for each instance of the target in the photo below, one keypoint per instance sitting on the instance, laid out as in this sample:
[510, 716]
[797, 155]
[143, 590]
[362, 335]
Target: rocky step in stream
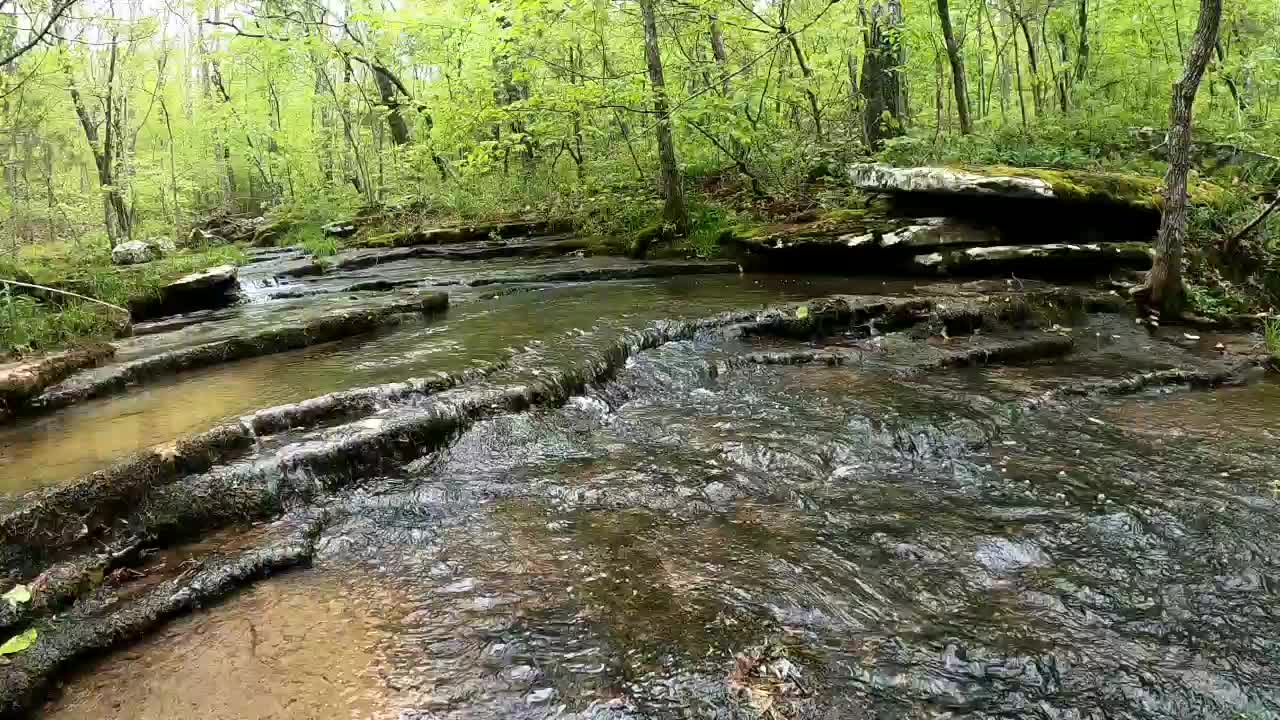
[147, 358]
[321, 466]
[974, 222]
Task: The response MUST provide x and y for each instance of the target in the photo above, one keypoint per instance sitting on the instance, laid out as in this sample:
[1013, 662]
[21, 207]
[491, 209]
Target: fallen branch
[1253, 225]
[64, 292]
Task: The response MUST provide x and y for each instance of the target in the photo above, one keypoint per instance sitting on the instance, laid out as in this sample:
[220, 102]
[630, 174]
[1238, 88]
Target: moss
[1114, 188]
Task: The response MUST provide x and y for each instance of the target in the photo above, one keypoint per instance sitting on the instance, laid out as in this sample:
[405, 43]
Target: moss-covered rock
[1142, 192]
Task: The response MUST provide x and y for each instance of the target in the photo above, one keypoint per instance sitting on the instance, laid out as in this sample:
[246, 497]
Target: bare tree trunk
[173, 166]
[814, 108]
[1082, 51]
[674, 211]
[389, 100]
[851, 63]
[721, 56]
[1163, 289]
[1017, 68]
[881, 81]
[1033, 63]
[115, 212]
[957, 68]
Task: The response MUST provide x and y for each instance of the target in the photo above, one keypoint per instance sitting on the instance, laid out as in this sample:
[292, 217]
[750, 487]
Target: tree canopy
[126, 118]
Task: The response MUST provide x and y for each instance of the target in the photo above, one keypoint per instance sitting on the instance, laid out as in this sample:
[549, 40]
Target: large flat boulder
[877, 177]
[212, 288]
[1070, 188]
[1054, 259]
[857, 242]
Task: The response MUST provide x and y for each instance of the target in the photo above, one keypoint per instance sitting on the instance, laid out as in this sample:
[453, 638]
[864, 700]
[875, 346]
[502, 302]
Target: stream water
[699, 538]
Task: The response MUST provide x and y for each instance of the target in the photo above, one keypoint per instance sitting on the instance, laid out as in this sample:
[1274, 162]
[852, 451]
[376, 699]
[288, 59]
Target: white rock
[135, 252]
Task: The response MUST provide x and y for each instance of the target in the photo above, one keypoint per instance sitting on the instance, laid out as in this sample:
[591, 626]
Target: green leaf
[802, 312]
[18, 643]
[18, 595]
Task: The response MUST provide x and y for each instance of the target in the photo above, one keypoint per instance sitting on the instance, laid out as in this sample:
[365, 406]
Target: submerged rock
[214, 287]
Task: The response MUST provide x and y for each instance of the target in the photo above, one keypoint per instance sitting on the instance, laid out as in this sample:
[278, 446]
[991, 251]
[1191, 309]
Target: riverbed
[881, 518]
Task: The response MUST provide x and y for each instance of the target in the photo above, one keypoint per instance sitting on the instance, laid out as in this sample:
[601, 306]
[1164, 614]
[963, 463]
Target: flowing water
[696, 537]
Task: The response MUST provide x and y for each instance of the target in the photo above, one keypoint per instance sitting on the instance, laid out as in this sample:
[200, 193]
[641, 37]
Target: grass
[28, 324]
[312, 238]
[1271, 337]
[89, 271]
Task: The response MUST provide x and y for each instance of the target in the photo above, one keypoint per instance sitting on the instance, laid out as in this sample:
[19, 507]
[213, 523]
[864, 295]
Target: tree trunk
[814, 108]
[1082, 52]
[957, 68]
[721, 56]
[881, 82]
[674, 211]
[115, 212]
[388, 99]
[1164, 285]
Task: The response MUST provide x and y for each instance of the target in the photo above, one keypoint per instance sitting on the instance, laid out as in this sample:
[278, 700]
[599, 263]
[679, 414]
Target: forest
[137, 119]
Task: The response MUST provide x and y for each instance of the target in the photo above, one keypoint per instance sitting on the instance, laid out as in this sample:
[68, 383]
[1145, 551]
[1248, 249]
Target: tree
[39, 34]
[1163, 289]
[881, 78]
[957, 67]
[674, 212]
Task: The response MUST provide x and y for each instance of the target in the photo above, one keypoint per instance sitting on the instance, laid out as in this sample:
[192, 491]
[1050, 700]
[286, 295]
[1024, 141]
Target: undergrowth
[1271, 338]
[31, 320]
[311, 238]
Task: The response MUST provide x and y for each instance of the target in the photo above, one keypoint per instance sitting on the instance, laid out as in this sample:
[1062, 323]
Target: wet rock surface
[324, 327]
[22, 380]
[214, 287]
[719, 496]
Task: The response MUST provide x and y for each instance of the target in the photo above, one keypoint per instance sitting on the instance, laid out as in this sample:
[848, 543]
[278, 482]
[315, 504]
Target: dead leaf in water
[18, 643]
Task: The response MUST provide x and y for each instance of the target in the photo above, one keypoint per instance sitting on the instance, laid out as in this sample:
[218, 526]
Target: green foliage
[708, 225]
[1271, 336]
[20, 642]
[17, 595]
[28, 323]
[88, 271]
[311, 238]
[522, 118]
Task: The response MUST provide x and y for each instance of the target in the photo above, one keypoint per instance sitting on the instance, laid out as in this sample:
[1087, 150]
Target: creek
[873, 517]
